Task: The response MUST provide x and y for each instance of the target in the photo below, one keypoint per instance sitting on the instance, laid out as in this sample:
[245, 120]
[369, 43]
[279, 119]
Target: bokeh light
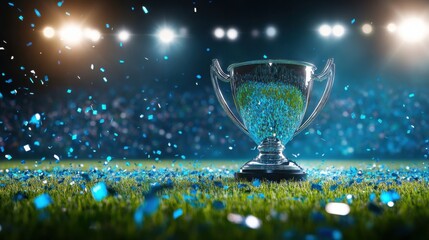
[338, 30]
[271, 32]
[325, 30]
[48, 32]
[124, 36]
[391, 27]
[219, 33]
[92, 34]
[413, 30]
[232, 34]
[166, 35]
[367, 28]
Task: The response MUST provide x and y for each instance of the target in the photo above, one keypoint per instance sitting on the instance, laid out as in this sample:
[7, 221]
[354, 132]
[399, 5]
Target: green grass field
[201, 200]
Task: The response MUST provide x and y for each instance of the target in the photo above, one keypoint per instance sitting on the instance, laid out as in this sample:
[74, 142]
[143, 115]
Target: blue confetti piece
[107, 25]
[38, 14]
[256, 183]
[389, 196]
[103, 107]
[42, 201]
[177, 213]
[165, 57]
[265, 56]
[69, 90]
[198, 76]
[150, 117]
[11, 4]
[102, 70]
[109, 158]
[218, 205]
[60, 4]
[21, 18]
[139, 215]
[150, 205]
[99, 191]
[353, 21]
[121, 61]
[145, 10]
[316, 186]
[411, 95]
[8, 156]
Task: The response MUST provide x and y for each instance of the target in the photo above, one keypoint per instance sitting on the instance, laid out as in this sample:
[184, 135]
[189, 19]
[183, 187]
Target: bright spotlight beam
[71, 34]
[166, 35]
[413, 30]
[48, 32]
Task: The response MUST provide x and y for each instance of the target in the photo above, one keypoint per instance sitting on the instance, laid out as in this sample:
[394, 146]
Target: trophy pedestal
[271, 164]
[271, 172]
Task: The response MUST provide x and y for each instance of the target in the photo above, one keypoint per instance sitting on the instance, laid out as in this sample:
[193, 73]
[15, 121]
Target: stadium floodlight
[325, 30]
[338, 30]
[71, 34]
[413, 30]
[166, 35]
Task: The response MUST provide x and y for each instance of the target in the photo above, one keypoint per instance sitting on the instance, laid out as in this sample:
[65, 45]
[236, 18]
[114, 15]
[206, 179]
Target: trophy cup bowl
[271, 98]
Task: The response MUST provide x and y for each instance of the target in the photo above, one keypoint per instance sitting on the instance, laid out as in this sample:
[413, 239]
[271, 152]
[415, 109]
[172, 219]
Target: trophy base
[287, 170]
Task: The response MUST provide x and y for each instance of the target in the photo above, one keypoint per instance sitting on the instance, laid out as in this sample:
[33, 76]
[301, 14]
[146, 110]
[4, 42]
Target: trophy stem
[271, 152]
[271, 164]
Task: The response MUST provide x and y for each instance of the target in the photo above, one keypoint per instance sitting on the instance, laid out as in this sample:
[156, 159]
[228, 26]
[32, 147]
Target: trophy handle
[215, 74]
[327, 73]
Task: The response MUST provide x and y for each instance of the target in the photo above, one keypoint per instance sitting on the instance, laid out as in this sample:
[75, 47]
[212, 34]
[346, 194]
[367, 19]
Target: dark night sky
[358, 57]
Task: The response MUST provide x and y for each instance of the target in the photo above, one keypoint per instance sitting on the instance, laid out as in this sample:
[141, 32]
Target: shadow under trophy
[271, 98]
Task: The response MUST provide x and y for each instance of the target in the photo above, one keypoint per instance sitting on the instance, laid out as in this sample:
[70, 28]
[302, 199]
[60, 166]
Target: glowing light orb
[166, 35]
[367, 28]
[232, 34]
[325, 30]
[71, 34]
[92, 34]
[391, 27]
[336, 208]
[219, 33]
[338, 30]
[124, 36]
[271, 32]
[413, 30]
[48, 32]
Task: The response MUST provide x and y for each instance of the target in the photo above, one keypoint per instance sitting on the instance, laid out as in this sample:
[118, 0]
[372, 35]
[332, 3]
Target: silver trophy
[271, 97]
